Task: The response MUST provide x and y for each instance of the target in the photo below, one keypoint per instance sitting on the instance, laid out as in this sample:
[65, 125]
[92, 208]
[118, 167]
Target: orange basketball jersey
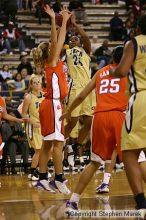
[110, 91]
[57, 86]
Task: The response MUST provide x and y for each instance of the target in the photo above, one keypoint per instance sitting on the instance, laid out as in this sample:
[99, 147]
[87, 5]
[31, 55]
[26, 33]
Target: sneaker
[66, 169]
[62, 187]
[102, 167]
[103, 188]
[34, 177]
[23, 53]
[11, 53]
[142, 213]
[44, 184]
[53, 185]
[71, 159]
[71, 207]
[82, 166]
[3, 52]
[74, 169]
[49, 175]
[119, 166]
[29, 176]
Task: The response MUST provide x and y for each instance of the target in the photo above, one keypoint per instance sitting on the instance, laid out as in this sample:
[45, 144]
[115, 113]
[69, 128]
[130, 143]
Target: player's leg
[104, 186]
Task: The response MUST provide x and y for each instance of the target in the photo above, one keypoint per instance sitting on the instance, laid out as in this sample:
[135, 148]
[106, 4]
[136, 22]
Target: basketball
[59, 18]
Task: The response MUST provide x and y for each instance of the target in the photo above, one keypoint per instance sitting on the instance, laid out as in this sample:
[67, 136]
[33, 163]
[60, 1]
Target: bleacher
[98, 18]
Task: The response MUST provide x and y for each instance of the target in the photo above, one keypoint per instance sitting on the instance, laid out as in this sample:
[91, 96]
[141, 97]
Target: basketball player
[107, 121]
[33, 131]
[51, 107]
[78, 62]
[134, 130]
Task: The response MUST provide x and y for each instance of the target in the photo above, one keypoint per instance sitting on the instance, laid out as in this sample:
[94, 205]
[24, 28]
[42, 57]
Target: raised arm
[126, 62]
[61, 37]
[53, 45]
[84, 36]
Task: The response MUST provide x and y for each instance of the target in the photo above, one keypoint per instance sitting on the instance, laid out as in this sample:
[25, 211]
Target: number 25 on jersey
[109, 85]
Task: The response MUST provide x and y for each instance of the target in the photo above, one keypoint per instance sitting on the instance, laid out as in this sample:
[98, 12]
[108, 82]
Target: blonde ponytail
[40, 54]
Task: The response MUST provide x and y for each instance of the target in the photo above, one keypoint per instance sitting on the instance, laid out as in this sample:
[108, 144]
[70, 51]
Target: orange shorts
[106, 135]
[50, 112]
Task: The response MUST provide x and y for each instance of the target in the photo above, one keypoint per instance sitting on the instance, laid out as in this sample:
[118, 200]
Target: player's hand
[66, 116]
[49, 11]
[73, 18]
[66, 14]
[25, 120]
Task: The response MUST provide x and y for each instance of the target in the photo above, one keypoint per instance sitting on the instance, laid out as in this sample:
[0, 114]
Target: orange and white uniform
[51, 108]
[2, 106]
[109, 115]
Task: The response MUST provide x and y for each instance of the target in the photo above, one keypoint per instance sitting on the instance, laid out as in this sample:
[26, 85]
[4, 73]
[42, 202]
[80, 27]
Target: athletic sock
[59, 177]
[106, 178]
[75, 197]
[32, 170]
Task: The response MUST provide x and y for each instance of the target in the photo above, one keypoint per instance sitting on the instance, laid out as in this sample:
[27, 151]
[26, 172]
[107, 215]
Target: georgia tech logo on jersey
[58, 107]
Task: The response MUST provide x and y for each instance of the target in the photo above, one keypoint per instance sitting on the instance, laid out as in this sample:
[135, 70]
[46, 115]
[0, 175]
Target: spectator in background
[27, 4]
[116, 27]
[24, 74]
[137, 8]
[132, 19]
[20, 4]
[128, 3]
[10, 9]
[25, 64]
[12, 38]
[39, 5]
[14, 137]
[57, 6]
[19, 83]
[77, 7]
[127, 30]
[103, 54]
[94, 44]
[5, 73]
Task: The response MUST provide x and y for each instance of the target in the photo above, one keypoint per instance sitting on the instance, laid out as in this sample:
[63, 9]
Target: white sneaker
[49, 175]
[62, 187]
[29, 176]
[142, 213]
[71, 160]
[34, 177]
[44, 184]
[23, 53]
[66, 169]
[11, 53]
[82, 166]
[74, 169]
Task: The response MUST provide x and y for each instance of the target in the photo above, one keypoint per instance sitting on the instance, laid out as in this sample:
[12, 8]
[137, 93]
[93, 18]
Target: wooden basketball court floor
[19, 200]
